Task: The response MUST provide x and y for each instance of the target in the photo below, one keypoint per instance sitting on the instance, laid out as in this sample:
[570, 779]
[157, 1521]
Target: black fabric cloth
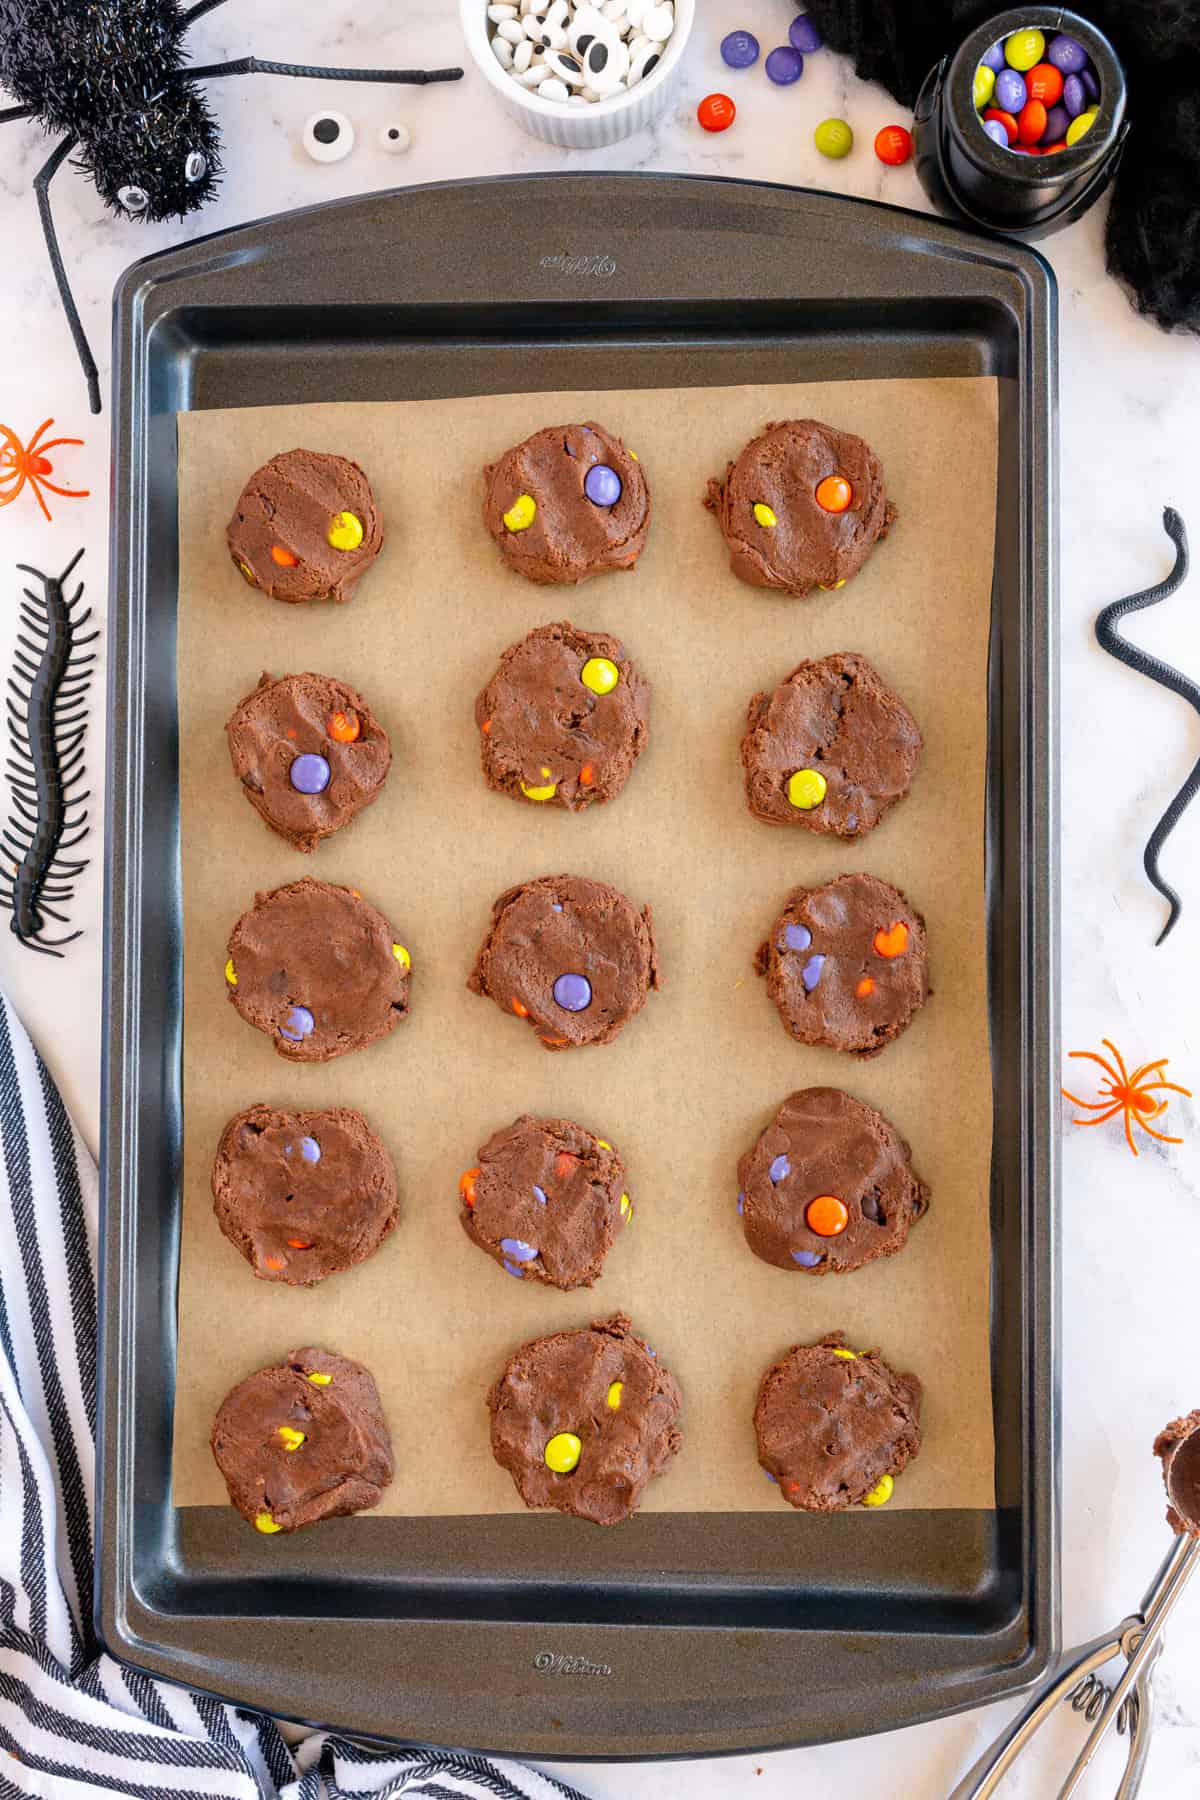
[1153, 232]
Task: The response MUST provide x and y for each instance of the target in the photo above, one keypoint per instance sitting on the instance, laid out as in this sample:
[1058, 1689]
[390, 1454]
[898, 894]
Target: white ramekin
[577, 127]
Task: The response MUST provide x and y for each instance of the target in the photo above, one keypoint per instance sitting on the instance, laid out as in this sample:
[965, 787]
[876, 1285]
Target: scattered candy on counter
[834, 138]
[562, 1453]
[784, 65]
[1130, 1095]
[327, 136]
[395, 139]
[894, 145]
[577, 53]
[1036, 94]
[740, 49]
[716, 112]
[803, 35]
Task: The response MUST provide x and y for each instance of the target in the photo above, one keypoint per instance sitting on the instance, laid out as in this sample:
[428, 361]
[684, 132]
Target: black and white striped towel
[74, 1724]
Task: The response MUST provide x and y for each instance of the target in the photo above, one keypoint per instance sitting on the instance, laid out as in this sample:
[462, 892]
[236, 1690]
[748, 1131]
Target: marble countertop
[1129, 398]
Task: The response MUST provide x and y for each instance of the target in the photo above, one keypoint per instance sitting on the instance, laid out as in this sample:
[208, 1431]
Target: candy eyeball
[134, 199]
[328, 136]
[394, 138]
[601, 50]
[195, 167]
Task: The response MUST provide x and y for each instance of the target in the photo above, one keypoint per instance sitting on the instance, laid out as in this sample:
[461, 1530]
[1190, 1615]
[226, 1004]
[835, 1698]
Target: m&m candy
[600, 674]
[716, 112]
[827, 1216]
[803, 35]
[309, 774]
[563, 1451]
[806, 789]
[344, 727]
[985, 81]
[1010, 92]
[740, 49]
[834, 138]
[893, 145]
[784, 65]
[1031, 122]
[573, 993]
[834, 494]
[1024, 49]
[1067, 54]
[1035, 89]
[1045, 83]
[1006, 122]
[602, 485]
[1082, 125]
[521, 513]
[345, 531]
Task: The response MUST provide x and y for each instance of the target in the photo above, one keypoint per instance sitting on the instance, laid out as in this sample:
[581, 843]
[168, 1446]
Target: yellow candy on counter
[319, 1379]
[881, 1493]
[265, 1523]
[562, 1453]
[401, 955]
[521, 513]
[806, 789]
[1082, 125]
[1024, 48]
[345, 531]
[613, 1396]
[231, 973]
[290, 1438]
[763, 515]
[600, 674]
[849, 1355]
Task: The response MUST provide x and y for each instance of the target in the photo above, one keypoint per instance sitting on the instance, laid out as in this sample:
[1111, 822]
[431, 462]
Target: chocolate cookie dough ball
[306, 527]
[318, 969]
[836, 1426]
[573, 957]
[832, 749]
[1178, 1448]
[563, 719]
[846, 964]
[546, 1200]
[569, 502]
[303, 1441]
[802, 507]
[829, 1185]
[584, 1419]
[303, 1195]
[309, 753]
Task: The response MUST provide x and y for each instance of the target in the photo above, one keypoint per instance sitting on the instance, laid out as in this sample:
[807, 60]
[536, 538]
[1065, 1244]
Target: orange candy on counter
[893, 145]
[716, 112]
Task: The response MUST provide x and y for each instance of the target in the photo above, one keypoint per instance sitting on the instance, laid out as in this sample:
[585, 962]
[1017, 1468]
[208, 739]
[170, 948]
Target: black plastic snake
[50, 682]
[1111, 640]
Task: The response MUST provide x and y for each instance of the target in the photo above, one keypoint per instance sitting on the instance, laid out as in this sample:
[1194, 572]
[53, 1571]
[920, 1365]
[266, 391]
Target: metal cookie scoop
[1129, 1702]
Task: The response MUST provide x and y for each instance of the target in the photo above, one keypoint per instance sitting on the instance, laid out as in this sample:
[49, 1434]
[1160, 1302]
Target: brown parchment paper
[702, 1069]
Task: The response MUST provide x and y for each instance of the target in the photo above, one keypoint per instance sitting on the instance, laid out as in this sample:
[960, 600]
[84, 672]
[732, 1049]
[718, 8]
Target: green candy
[834, 138]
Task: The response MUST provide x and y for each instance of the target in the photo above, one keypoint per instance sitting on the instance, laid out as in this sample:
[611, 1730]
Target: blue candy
[1067, 54]
[784, 65]
[739, 49]
[803, 34]
[1074, 95]
[808, 1259]
[1091, 85]
[796, 937]
[511, 1269]
[309, 774]
[539, 1194]
[810, 974]
[602, 485]
[1010, 94]
[994, 58]
[517, 1250]
[780, 1169]
[299, 1025]
[310, 1150]
[996, 132]
[741, 1204]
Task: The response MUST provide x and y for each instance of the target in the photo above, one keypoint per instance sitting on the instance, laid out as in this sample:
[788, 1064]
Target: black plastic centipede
[50, 680]
[1187, 689]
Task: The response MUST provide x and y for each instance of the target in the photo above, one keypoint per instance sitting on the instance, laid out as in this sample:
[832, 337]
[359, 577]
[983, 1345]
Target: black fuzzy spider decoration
[108, 78]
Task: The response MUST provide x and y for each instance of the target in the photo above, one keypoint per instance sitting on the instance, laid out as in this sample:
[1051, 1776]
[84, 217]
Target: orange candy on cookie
[893, 942]
[834, 494]
[827, 1216]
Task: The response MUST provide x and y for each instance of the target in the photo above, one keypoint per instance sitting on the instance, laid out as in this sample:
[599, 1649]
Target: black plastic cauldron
[968, 176]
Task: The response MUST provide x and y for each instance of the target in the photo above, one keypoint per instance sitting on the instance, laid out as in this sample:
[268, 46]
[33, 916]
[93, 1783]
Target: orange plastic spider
[21, 463]
[1128, 1094]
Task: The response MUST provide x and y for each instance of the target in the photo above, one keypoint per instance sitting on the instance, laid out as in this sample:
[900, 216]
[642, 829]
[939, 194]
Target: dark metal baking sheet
[677, 1634]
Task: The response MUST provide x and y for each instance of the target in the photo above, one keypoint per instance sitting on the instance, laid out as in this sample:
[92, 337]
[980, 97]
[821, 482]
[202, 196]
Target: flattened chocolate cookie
[829, 1185]
[318, 969]
[569, 502]
[305, 527]
[831, 749]
[563, 719]
[846, 964]
[1178, 1448]
[303, 1441]
[309, 753]
[546, 1201]
[836, 1426]
[573, 957]
[303, 1195]
[584, 1419]
[802, 507]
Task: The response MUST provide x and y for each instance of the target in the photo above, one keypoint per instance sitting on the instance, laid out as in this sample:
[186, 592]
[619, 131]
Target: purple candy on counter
[602, 485]
[1074, 96]
[1091, 85]
[784, 65]
[996, 132]
[994, 58]
[517, 1250]
[739, 49]
[810, 974]
[1066, 53]
[808, 1259]
[741, 1204]
[539, 1194]
[298, 1025]
[512, 1269]
[1010, 94]
[1057, 120]
[796, 937]
[310, 1150]
[779, 1170]
[309, 774]
[803, 35]
[573, 993]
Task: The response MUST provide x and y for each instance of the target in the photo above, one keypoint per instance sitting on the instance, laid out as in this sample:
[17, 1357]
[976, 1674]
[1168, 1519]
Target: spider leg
[1111, 1114]
[68, 493]
[11, 113]
[1091, 1105]
[1109, 1045]
[1152, 1087]
[41, 187]
[1147, 1069]
[1160, 1136]
[257, 65]
[1090, 1056]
